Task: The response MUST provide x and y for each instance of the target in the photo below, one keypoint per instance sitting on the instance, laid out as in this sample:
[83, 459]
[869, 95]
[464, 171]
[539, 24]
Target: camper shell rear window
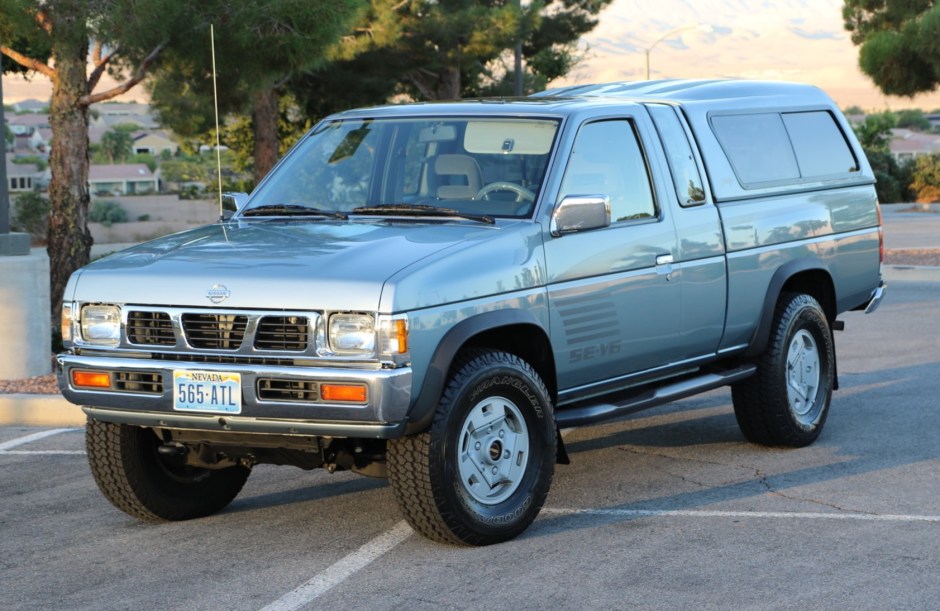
[780, 148]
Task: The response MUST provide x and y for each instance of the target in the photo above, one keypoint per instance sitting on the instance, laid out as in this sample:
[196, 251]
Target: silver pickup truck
[430, 292]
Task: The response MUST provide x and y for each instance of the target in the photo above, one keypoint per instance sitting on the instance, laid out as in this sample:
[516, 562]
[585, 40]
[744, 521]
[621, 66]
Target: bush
[143, 217]
[893, 179]
[107, 212]
[192, 192]
[31, 215]
[926, 178]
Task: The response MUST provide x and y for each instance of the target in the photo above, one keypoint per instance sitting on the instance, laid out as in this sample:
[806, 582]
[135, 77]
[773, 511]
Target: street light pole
[10, 243]
[4, 185]
[704, 27]
[517, 56]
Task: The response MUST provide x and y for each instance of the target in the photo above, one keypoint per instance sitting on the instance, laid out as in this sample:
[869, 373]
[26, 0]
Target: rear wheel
[787, 401]
[481, 473]
[138, 481]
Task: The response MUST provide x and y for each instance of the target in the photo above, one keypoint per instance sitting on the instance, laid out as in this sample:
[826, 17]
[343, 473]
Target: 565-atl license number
[211, 392]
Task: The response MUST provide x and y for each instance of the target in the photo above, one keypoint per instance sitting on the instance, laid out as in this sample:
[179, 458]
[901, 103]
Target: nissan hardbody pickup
[431, 292]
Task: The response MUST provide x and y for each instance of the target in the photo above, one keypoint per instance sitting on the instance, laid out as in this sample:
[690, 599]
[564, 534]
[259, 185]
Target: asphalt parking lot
[669, 509]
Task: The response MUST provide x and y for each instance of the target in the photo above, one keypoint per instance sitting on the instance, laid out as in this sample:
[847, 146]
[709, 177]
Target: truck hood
[271, 264]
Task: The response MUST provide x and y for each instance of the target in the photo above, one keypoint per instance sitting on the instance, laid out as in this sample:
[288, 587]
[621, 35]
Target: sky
[792, 40]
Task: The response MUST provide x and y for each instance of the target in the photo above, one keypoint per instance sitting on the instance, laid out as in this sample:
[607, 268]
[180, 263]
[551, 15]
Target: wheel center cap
[496, 450]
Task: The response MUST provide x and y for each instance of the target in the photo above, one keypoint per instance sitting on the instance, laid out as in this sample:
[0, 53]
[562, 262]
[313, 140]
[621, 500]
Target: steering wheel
[522, 194]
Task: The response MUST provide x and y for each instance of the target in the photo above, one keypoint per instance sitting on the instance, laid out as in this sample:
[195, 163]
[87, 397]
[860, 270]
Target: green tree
[117, 145]
[31, 214]
[893, 179]
[425, 50]
[874, 134]
[40, 162]
[913, 118]
[59, 39]
[448, 49]
[259, 46]
[898, 42]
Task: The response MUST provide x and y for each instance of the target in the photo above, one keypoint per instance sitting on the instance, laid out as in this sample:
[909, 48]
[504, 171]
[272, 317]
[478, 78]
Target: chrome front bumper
[382, 416]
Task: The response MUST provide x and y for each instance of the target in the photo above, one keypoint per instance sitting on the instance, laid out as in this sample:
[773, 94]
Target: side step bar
[585, 412]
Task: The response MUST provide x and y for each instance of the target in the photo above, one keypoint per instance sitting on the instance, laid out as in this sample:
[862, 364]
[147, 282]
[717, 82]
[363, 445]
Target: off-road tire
[432, 486]
[139, 482]
[765, 412]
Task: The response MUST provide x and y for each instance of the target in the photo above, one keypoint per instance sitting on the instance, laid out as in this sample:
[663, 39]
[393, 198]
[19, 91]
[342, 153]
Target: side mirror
[580, 213]
[231, 202]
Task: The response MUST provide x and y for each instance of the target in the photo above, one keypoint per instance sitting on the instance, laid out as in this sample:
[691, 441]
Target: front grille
[288, 333]
[271, 389]
[222, 358]
[150, 329]
[215, 331]
[148, 382]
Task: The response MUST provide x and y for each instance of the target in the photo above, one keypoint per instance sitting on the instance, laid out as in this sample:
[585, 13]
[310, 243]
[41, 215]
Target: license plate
[212, 392]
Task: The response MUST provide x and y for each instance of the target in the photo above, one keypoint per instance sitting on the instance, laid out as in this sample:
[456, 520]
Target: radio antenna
[215, 102]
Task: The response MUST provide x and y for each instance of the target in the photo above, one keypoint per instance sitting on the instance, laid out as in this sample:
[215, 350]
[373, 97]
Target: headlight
[352, 334]
[101, 325]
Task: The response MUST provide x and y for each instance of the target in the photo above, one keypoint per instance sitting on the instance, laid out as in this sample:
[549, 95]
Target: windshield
[469, 166]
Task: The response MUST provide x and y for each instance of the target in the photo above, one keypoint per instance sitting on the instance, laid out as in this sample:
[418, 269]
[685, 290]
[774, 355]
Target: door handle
[664, 259]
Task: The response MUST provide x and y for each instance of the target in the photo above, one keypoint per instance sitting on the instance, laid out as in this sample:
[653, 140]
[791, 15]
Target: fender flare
[435, 377]
[786, 271]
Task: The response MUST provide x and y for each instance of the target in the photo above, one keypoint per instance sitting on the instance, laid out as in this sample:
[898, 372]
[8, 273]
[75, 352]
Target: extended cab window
[685, 175]
[607, 160]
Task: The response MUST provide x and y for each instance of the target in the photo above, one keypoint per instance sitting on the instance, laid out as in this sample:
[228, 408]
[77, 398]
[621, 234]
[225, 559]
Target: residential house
[25, 177]
[106, 116]
[907, 145]
[123, 179]
[26, 123]
[30, 105]
[154, 143]
[31, 132]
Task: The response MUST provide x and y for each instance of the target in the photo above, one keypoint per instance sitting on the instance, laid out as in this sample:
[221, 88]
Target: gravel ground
[922, 257]
[46, 385]
[40, 385]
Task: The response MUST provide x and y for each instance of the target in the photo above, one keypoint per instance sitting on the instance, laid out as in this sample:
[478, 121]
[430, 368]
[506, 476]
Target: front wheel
[137, 480]
[787, 401]
[481, 473]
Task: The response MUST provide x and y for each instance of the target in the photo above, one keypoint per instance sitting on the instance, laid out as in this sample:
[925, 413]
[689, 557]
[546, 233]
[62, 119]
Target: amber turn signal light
[343, 392]
[91, 379]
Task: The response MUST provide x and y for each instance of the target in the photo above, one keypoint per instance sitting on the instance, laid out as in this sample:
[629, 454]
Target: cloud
[817, 35]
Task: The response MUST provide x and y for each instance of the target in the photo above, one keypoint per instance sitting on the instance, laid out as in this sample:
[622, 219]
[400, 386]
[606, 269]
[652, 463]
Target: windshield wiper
[422, 210]
[293, 210]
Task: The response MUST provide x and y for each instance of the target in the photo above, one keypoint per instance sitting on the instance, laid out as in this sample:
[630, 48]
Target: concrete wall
[167, 214]
[25, 333]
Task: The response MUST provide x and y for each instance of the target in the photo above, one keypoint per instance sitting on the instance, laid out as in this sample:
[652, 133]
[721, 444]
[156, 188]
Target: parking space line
[693, 513]
[13, 443]
[341, 570]
[40, 452]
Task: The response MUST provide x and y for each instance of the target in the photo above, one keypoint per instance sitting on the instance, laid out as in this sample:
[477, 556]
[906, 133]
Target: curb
[39, 410]
[911, 273]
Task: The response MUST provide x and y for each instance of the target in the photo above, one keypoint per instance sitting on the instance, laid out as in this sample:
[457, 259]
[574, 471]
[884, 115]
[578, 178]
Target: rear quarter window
[780, 148]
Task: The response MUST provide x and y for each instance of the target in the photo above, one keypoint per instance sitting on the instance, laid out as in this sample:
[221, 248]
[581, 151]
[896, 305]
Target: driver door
[614, 304]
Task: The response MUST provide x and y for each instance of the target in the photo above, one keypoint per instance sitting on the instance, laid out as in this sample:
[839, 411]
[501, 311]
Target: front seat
[459, 176]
